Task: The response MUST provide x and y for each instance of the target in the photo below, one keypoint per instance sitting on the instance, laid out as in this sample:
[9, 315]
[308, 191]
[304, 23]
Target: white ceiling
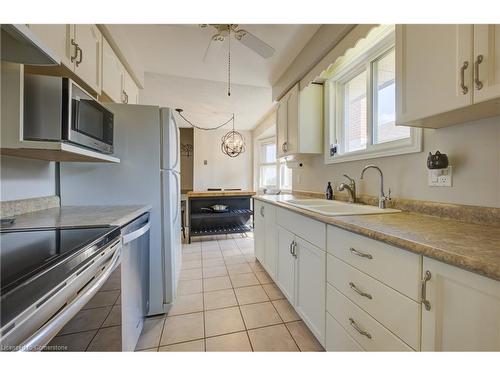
[171, 59]
[179, 49]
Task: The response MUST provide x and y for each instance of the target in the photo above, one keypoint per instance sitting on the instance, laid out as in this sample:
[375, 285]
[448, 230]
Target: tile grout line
[98, 329]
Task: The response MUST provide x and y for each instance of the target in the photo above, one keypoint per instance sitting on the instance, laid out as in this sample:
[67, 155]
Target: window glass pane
[355, 113]
[285, 177]
[385, 128]
[269, 153]
[267, 175]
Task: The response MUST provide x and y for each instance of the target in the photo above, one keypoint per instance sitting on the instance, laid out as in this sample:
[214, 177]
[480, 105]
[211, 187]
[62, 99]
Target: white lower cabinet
[368, 333]
[464, 310]
[301, 276]
[337, 338]
[285, 275]
[310, 286]
[265, 236]
[259, 230]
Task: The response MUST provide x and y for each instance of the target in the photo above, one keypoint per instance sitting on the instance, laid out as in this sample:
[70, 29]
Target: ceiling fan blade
[255, 44]
[213, 49]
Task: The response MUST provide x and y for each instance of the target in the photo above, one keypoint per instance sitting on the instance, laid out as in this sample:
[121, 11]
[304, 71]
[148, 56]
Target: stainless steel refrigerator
[146, 139]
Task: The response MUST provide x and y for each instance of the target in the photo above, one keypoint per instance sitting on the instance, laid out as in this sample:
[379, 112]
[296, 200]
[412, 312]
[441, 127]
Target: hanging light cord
[179, 111]
[229, 64]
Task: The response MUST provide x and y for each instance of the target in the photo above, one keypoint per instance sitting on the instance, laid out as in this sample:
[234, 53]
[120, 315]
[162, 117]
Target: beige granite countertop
[69, 216]
[475, 247]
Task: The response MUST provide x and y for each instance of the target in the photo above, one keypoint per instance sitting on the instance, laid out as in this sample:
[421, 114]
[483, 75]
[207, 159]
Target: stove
[44, 272]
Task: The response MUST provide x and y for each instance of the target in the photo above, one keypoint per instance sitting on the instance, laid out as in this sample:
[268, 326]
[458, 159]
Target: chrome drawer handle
[362, 294]
[423, 290]
[360, 331]
[360, 254]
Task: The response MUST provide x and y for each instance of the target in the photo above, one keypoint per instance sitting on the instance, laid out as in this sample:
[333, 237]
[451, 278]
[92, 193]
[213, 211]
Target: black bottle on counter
[329, 191]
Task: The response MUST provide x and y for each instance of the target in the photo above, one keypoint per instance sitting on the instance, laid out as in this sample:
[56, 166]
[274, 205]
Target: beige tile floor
[97, 327]
[226, 302]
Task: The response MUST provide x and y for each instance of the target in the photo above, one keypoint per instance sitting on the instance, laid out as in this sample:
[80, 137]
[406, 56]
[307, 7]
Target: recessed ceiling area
[171, 57]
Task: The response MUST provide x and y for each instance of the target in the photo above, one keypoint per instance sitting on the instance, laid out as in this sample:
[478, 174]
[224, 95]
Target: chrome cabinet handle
[360, 254]
[361, 293]
[291, 247]
[73, 57]
[479, 84]
[465, 89]
[423, 290]
[81, 55]
[360, 331]
[294, 249]
[125, 97]
[262, 211]
[284, 147]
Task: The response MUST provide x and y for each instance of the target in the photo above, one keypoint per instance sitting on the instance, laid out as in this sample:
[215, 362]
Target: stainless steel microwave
[58, 109]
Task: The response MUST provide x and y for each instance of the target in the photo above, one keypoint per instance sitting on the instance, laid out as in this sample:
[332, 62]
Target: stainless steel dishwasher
[134, 279]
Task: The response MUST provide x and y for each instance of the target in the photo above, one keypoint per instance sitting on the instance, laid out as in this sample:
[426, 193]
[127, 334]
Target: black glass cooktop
[26, 252]
[34, 261]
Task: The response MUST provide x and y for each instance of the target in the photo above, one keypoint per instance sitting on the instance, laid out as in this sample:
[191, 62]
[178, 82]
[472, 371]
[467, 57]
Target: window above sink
[360, 103]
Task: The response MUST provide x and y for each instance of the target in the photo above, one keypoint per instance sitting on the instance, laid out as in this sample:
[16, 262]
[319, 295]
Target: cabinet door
[259, 231]
[281, 128]
[88, 65]
[293, 120]
[311, 284]
[429, 64]
[58, 39]
[486, 62]
[112, 73]
[271, 240]
[285, 273]
[131, 91]
[464, 310]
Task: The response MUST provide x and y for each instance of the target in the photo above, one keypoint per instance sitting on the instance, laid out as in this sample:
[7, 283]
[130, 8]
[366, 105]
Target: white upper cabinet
[112, 73]
[130, 90]
[88, 63]
[58, 38]
[430, 61]
[486, 62]
[463, 311]
[300, 121]
[438, 68]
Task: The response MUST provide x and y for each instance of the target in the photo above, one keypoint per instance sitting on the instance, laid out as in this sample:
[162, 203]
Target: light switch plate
[440, 177]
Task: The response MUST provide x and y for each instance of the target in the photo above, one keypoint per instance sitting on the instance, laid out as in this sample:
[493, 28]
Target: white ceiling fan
[224, 31]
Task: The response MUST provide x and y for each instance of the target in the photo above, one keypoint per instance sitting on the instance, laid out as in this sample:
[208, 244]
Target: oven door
[90, 124]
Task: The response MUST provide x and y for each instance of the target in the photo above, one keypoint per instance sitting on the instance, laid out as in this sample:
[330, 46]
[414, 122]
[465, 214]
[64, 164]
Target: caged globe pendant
[233, 143]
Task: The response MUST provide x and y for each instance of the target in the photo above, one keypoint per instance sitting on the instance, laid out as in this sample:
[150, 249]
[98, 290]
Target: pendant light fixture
[233, 143]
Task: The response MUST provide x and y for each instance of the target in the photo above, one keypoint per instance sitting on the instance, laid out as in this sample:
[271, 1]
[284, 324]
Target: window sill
[414, 146]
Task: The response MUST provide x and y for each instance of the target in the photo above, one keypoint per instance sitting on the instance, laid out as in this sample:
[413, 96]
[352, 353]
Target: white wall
[473, 150]
[24, 178]
[221, 170]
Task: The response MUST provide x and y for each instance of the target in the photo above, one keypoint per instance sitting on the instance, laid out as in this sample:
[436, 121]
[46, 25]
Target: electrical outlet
[440, 177]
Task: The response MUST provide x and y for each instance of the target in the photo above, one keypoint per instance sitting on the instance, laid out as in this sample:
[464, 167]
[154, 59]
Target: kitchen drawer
[337, 339]
[342, 309]
[398, 313]
[310, 230]
[397, 268]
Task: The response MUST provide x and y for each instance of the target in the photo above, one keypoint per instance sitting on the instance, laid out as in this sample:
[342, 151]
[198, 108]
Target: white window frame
[334, 107]
[277, 163]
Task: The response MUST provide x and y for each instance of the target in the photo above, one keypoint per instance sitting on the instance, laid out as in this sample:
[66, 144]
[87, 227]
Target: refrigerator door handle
[177, 197]
[177, 142]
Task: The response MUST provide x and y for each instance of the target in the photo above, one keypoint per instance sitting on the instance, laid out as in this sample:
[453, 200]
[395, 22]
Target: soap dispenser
[329, 191]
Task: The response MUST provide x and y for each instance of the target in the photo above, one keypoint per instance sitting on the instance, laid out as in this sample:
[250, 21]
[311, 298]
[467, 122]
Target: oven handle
[43, 336]
[129, 237]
